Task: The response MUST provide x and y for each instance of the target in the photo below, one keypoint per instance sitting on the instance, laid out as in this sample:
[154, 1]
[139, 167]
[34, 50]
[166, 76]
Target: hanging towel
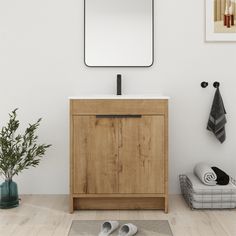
[217, 119]
[222, 177]
[205, 173]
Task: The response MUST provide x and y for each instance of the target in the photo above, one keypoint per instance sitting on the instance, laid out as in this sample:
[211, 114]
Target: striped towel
[217, 119]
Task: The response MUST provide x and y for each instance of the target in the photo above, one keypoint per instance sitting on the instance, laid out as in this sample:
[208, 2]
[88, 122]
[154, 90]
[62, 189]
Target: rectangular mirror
[118, 33]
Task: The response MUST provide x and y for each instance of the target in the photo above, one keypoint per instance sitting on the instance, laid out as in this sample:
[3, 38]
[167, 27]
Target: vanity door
[141, 154]
[95, 155]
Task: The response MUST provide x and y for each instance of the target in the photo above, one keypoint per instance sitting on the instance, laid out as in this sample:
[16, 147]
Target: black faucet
[118, 85]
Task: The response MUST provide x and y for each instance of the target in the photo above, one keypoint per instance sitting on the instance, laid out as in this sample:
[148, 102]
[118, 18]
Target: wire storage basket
[207, 198]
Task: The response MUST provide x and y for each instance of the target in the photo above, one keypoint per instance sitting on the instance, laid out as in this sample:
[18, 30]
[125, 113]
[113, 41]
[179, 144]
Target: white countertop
[130, 96]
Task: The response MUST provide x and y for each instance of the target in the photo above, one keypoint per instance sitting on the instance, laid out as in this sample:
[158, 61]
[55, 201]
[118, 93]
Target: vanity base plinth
[119, 203]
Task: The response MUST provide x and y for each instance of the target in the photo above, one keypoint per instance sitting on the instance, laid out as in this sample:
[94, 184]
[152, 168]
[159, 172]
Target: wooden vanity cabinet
[118, 154]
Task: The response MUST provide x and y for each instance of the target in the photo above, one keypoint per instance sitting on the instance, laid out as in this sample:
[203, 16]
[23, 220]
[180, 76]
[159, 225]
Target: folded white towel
[205, 173]
[214, 198]
[210, 197]
[212, 205]
[199, 188]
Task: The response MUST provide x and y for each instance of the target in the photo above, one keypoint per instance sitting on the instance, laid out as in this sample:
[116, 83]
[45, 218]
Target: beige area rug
[145, 227]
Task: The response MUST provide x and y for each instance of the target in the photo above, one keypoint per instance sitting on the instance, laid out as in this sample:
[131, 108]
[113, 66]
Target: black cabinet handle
[118, 116]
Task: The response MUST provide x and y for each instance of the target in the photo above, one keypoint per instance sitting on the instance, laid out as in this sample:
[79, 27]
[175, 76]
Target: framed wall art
[221, 20]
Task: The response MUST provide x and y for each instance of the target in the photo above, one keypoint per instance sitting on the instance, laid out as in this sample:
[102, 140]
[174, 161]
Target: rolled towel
[232, 180]
[222, 177]
[205, 173]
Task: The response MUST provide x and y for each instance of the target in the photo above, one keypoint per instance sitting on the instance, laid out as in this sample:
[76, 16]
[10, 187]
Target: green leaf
[19, 151]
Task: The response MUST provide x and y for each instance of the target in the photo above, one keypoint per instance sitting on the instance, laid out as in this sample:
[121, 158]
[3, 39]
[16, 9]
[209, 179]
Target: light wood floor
[46, 215]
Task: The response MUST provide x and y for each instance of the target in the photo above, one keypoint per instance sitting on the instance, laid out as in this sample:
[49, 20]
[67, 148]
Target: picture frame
[220, 20]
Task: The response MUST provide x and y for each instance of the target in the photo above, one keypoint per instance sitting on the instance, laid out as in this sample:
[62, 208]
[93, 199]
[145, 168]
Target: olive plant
[19, 151]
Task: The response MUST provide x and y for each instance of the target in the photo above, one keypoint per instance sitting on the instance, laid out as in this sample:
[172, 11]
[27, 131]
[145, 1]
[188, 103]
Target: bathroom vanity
[119, 152]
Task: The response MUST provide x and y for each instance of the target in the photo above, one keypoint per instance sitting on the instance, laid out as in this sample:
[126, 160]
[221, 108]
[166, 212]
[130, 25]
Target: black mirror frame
[121, 66]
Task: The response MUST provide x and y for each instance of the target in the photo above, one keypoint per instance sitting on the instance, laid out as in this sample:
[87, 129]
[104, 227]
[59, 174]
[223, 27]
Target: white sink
[130, 96]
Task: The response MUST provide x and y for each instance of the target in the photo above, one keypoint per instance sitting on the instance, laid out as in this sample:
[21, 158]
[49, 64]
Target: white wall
[41, 65]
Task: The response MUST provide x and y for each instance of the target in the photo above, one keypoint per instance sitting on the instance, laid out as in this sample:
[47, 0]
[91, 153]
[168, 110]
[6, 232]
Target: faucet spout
[118, 84]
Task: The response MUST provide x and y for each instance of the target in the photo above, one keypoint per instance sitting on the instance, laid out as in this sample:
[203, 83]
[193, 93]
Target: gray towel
[217, 119]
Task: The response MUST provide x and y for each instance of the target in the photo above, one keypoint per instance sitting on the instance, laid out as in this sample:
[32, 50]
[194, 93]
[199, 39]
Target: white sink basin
[111, 96]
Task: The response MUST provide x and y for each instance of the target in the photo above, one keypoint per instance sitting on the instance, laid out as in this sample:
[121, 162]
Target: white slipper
[108, 227]
[128, 230]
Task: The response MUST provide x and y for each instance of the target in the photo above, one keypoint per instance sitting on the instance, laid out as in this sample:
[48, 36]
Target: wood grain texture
[118, 158]
[119, 203]
[95, 155]
[126, 106]
[119, 195]
[141, 155]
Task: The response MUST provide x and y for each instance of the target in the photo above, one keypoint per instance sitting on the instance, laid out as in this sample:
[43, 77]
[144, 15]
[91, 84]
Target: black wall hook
[204, 84]
[216, 84]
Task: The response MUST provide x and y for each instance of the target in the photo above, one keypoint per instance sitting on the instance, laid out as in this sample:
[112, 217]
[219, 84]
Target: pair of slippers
[108, 227]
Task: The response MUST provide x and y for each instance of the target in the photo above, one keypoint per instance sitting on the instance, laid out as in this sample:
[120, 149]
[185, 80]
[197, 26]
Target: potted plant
[17, 153]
